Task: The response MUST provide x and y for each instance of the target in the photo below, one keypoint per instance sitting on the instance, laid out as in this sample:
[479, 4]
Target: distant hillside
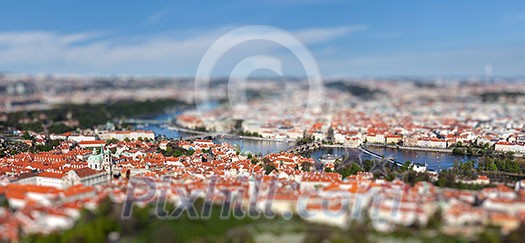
[357, 90]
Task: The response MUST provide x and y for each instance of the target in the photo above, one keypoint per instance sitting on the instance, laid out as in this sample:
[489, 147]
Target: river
[434, 160]
[251, 146]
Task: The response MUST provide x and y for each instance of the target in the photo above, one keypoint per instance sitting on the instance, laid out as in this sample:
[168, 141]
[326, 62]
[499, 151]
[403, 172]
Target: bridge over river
[377, 156]
[309, 147]
[304, 148]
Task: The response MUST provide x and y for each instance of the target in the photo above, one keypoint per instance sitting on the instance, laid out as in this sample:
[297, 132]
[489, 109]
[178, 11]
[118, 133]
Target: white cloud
[42, 37]
[325, 34]
[93, 52]
[179, 54]
[156, 17]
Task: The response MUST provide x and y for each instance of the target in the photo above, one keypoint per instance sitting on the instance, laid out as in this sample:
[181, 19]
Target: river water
[434, 160]
[251, 146]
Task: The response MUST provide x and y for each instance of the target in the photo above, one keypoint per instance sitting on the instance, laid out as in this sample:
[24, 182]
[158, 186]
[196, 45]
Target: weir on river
[377, 156]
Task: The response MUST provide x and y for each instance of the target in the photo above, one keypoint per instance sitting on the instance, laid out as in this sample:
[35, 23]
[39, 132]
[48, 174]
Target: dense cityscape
[262, 121]
[53, 174]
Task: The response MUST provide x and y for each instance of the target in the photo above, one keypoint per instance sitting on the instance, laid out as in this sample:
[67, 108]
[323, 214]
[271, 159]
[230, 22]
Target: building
[131, 135]
[83, 176]
[503, 146]
[91, 143]
[86, 177]
[393, 139]
[45, 179]
[100, 161]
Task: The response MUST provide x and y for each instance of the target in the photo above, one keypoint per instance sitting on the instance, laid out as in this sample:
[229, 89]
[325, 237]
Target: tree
[446, 178]
[305, 166]
[412, 177]
[59, 128]
[26, 136]
[169, 151]
[390, 176]
[268, 168]
[111, 141]
[407, 166]
[368, 164]
[492, 166]
[348, 170]
[469, 150]
[457, 150]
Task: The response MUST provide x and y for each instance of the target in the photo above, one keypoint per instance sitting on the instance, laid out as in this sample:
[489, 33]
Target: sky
[346, 38]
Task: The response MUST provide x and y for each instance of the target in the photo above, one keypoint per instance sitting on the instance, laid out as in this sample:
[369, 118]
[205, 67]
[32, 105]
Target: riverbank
[264, 146]
[263, 139]
[390, 147]
[337, 146]
[228, 135]
[423, 149]
[438, 150]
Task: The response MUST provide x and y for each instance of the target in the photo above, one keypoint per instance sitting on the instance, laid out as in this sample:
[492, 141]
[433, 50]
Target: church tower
[107, 160]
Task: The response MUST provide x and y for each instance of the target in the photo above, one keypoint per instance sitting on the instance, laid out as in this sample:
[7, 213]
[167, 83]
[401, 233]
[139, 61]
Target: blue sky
[347, 38]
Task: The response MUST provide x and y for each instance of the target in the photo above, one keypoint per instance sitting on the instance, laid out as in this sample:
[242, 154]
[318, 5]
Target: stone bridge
[304, 148]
